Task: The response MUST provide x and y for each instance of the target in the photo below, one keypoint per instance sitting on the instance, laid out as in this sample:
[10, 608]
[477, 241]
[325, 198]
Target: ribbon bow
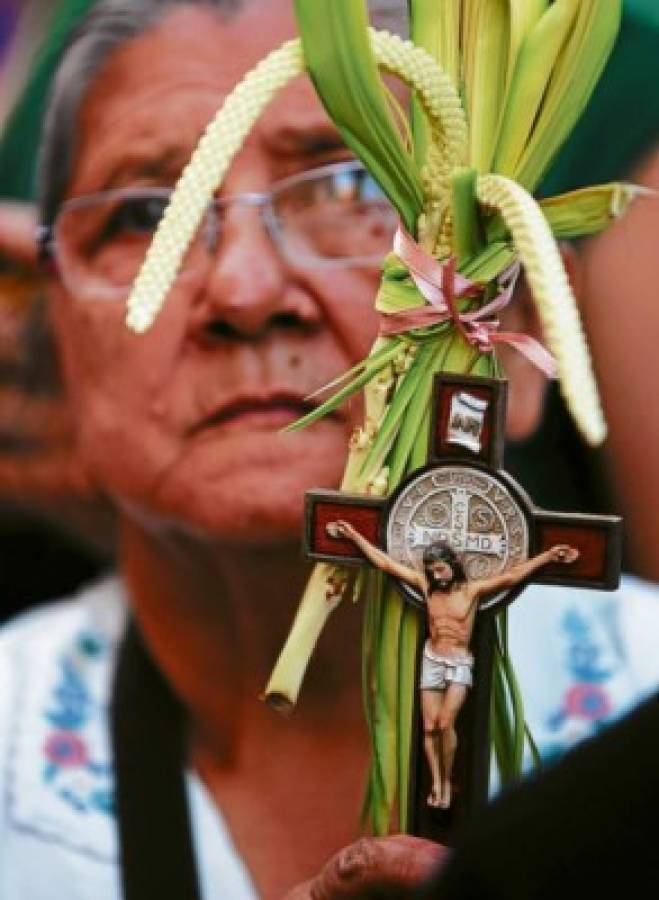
[442, 286]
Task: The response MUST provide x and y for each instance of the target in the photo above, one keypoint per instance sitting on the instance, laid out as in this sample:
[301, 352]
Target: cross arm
[598, 540]
[382, 560]
[513, 577]
[323, 507]
[468, 419]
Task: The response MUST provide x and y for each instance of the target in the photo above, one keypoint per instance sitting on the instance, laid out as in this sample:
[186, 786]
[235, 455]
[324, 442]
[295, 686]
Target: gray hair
[110, 24]
[390, 15]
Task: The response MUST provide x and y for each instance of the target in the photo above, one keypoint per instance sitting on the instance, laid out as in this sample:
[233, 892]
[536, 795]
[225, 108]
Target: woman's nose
[250, 287]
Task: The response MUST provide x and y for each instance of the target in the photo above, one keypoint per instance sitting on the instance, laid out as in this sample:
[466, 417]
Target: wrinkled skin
[258, 330]
[374, 869]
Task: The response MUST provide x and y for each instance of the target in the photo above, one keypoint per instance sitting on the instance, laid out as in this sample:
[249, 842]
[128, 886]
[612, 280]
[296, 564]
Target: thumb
[374, 869]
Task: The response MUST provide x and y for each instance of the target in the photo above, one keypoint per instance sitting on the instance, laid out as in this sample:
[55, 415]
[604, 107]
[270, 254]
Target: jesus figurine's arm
[561, 553]
[379, 558]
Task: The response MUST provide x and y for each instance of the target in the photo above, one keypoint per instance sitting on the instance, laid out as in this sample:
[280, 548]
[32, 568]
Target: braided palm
[553, 297]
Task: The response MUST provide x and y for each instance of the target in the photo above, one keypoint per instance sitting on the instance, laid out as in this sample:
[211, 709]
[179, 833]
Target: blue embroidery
[584, 654]
[103, 801]
[586, 698]
[68, 765]
[73, 700]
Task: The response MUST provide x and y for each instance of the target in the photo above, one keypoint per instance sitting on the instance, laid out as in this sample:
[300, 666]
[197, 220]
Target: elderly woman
[180, 429]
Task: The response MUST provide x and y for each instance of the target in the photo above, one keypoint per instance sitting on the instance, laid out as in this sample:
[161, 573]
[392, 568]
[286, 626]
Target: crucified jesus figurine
[446, 670]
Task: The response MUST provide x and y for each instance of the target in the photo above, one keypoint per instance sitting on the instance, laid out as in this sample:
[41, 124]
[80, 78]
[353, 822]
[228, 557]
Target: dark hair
[440, 551]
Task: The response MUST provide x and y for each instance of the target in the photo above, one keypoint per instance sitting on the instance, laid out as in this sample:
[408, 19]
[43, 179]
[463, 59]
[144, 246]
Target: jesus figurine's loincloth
[440, 670]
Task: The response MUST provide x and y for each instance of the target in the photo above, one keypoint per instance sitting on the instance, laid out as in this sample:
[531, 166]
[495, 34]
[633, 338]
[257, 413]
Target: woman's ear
[527, 384]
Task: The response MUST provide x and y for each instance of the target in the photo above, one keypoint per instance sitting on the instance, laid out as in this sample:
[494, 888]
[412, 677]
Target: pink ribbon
[442, 286]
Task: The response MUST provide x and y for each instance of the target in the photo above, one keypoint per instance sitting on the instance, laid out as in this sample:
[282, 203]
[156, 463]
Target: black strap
[149, 744]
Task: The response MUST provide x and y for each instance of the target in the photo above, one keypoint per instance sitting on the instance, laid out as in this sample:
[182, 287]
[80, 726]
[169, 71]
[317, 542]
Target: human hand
[374, 869]
[563, 553]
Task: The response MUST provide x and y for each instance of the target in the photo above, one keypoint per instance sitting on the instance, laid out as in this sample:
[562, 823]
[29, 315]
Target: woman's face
[181, 426]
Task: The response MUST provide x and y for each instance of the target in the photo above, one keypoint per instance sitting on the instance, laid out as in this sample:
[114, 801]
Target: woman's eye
[369, 189]
[136, 215]
[357, 187]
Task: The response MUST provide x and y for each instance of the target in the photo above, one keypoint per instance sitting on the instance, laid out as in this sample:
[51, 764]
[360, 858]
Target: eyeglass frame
[260, 200]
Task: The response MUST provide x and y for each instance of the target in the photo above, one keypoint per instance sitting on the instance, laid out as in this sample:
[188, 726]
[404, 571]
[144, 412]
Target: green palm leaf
[341, 64]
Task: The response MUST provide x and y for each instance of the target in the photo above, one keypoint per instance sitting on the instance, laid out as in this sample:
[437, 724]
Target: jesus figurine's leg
[454, 697]
[431, 705]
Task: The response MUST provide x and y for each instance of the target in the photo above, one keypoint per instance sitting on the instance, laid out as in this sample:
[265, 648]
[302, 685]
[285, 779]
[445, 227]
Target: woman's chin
[243, 509]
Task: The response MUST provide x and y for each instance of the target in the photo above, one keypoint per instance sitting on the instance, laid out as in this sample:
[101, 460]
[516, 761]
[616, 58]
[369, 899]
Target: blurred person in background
[55, 530]
[619, 139]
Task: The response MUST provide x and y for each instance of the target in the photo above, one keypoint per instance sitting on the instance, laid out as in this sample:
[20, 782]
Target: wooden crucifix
[462, 500]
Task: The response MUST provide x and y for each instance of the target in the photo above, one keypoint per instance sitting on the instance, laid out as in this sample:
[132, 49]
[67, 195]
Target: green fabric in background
[620, 126]
[20, 141]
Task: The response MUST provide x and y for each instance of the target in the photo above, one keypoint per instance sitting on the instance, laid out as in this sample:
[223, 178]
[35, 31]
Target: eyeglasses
[328, 217]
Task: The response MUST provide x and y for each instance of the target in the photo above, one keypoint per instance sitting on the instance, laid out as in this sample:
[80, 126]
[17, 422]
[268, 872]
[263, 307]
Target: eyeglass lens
[340, 215]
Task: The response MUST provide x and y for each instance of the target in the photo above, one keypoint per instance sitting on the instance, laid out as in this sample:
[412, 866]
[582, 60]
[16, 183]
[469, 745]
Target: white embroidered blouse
[582, 658]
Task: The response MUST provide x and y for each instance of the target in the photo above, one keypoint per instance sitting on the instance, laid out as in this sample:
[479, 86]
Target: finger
[377, 868]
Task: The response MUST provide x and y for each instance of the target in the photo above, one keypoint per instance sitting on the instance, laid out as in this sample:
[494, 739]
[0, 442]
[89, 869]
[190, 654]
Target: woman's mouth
[270, 412]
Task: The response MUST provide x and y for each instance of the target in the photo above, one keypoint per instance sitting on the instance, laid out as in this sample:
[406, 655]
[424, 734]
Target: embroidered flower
[72, 768]
[587, 701]
[66, 749]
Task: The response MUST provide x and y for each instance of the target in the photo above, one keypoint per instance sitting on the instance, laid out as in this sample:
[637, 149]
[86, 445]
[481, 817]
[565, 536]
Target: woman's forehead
[151, 100]
[199, 37]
